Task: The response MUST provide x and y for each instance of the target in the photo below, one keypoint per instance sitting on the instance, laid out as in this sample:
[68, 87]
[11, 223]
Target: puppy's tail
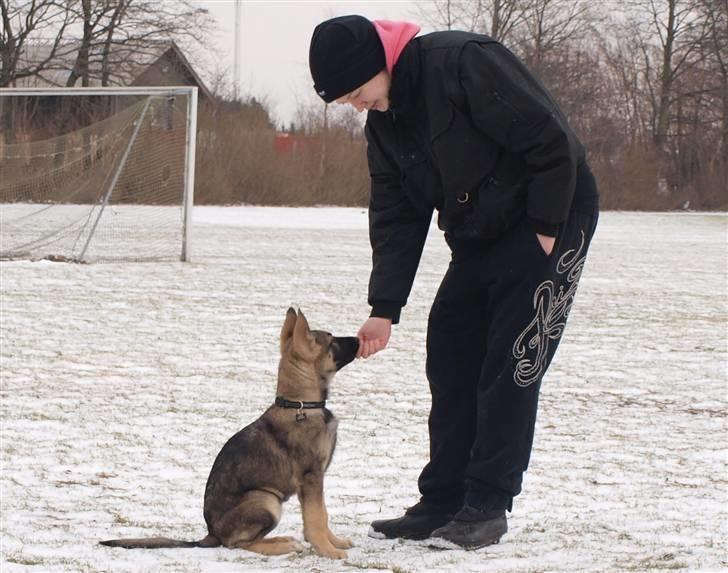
[160, 543]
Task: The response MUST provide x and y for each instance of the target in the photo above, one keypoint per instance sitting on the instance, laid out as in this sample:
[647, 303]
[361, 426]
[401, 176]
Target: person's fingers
[375, 346]
[370, 346]
[363, 345]
[360, 350]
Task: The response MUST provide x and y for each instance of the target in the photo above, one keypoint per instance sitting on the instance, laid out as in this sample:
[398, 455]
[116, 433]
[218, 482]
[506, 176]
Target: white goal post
[97, 174]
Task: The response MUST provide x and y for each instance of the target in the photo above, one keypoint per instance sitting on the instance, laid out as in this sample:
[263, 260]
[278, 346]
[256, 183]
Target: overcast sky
[274, 43]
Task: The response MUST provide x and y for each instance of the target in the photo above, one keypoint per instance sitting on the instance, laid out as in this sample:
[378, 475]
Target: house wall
[164, 72]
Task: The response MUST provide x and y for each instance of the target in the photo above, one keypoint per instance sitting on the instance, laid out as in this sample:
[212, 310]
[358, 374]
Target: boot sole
[444, 544]
[374, 534]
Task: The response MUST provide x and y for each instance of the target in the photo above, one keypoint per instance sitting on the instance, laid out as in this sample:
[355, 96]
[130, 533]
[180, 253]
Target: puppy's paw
[290, 544]
[340, 542]
[329, 551]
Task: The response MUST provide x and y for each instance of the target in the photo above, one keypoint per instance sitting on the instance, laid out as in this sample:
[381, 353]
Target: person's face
[372, 95]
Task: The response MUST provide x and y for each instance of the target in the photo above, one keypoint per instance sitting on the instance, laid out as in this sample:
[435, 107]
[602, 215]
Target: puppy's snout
[345, 349]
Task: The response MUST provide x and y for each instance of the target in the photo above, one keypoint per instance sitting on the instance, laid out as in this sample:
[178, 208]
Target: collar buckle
[300, 414]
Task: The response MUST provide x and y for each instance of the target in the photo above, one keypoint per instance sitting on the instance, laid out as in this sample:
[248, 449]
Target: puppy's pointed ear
[304, 344]
[288, 326]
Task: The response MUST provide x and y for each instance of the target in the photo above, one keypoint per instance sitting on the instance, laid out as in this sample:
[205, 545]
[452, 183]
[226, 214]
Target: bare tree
[670, 34]
[550, 27]
[115, 18]
[441, 14]
[93, 15]
[623, 71]
[120, 35]
[22, 21]
[146, 22]
[716, 17]
[497, 18]
[505, 17]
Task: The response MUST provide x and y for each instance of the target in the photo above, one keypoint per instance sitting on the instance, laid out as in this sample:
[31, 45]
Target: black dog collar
[281, 402]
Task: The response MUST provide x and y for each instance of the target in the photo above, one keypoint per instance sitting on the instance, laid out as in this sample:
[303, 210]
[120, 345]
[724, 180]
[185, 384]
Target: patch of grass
[624, 536]
[660, 562]
[121, 520]
[64, 483]
[24, 560]
[39, 417]
[377, 565]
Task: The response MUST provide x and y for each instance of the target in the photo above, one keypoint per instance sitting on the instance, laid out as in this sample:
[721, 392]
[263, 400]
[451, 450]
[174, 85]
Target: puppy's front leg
[336, 541]
[315, 519]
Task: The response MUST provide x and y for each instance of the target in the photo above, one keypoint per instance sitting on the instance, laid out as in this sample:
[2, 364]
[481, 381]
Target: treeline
[644, 83]
[243, 158]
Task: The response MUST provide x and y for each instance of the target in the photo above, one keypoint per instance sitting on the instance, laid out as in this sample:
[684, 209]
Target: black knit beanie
[345, 53]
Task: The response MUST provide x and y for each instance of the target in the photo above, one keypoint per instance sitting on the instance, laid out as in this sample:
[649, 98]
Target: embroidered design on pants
[531, 348]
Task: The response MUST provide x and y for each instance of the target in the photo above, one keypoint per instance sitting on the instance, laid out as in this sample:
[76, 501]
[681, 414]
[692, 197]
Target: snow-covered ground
[120, 382]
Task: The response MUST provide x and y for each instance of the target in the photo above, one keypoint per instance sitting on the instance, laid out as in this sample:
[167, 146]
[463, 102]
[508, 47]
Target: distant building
[172, 68]
[291, 143]
[159, 64]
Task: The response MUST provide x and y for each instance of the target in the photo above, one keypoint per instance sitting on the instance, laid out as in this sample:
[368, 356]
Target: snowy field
[120, 382]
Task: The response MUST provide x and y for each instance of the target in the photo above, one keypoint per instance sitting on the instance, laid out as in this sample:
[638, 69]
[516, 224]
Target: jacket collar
[405, 84]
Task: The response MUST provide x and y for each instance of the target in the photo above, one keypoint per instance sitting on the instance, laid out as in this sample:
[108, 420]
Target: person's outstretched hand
[373, 336]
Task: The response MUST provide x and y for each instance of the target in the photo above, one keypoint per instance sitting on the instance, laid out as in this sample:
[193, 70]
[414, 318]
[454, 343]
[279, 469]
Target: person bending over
[456, 123]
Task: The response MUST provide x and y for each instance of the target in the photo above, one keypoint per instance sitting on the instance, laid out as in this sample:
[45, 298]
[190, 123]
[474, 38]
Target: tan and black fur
[284, 452]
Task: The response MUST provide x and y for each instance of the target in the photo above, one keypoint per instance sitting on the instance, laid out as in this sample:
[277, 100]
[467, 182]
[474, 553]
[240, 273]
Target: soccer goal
[97, 174]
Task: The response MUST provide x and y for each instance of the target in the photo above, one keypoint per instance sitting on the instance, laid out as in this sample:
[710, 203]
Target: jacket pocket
[496, 208]
[410, 159]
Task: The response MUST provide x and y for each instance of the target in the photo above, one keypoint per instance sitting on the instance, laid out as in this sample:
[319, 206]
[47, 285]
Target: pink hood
[394, 37]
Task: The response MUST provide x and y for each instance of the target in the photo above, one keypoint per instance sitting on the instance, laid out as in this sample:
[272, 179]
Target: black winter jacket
[472, 133]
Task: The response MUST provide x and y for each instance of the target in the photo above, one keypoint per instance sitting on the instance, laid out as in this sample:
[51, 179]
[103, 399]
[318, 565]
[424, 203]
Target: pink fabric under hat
[394, 37]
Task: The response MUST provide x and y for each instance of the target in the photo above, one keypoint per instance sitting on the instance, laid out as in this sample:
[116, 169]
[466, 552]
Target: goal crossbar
[96, 91]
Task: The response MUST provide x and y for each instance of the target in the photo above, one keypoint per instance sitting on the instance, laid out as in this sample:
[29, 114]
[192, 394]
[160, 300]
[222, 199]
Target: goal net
[97, 174]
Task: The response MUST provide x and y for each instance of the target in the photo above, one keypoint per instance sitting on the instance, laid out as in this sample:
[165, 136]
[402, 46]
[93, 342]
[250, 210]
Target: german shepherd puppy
[285, 451]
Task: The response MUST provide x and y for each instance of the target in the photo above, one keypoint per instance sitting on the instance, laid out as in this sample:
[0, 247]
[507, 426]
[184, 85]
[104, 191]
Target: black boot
[418, 522]
[471, 529]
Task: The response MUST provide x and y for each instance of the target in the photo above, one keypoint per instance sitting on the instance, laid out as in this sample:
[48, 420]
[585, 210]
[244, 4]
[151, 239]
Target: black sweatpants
[496, 321]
